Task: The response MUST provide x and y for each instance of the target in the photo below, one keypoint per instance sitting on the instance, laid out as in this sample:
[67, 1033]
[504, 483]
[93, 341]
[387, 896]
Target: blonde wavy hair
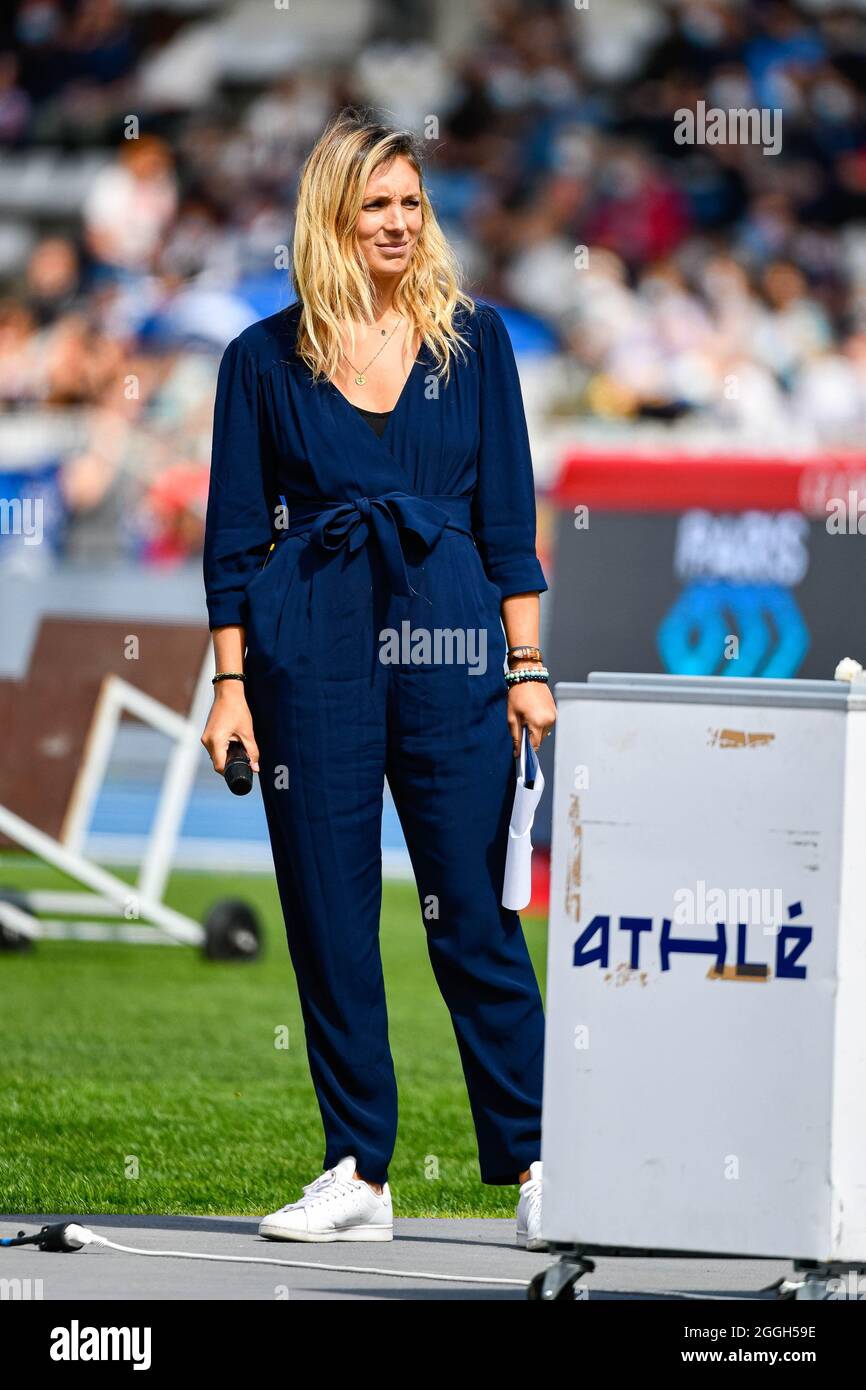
[331, 277]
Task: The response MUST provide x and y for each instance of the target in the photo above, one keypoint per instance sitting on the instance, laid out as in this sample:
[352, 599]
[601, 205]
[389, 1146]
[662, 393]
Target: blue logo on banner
[773, 638]
[593, 945]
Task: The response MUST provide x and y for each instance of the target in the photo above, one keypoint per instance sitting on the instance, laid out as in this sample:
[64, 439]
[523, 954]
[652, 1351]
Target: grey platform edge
[716, 690]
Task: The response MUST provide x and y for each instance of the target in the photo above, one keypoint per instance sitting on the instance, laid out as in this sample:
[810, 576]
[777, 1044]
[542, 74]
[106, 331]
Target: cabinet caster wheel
[557, 1282]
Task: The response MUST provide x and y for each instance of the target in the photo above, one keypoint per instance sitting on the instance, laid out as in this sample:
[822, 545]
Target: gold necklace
[360, 377]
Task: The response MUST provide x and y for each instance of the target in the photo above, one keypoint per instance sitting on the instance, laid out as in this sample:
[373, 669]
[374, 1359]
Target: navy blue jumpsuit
[423, 530]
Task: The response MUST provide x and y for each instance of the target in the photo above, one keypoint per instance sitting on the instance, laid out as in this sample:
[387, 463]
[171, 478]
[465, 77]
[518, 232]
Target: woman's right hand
[229, 719]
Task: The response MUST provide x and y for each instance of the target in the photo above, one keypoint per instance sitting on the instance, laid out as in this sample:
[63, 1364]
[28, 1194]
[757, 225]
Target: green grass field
[147, 1079]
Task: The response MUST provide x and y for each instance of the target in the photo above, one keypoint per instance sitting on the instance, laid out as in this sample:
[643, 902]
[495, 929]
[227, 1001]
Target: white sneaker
[335, 1206]
[529, 1210]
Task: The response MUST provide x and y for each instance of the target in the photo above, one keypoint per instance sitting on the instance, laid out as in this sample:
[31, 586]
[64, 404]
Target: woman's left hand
[530, 703]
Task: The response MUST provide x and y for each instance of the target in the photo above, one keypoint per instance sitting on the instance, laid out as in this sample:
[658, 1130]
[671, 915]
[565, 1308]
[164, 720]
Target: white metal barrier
[232, 928]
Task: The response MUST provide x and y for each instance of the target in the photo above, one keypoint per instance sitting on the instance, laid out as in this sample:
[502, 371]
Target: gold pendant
[361, 379]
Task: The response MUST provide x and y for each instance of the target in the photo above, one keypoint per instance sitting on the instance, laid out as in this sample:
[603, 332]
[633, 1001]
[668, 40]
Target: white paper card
[517, 888]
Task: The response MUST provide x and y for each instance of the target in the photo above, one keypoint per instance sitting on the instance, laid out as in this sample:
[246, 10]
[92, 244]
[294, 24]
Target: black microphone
[238, 772]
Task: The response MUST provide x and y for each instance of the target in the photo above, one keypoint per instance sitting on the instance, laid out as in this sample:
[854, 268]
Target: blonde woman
[370, 532]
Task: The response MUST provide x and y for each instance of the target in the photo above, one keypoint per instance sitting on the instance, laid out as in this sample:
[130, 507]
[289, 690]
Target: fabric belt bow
[386, 516]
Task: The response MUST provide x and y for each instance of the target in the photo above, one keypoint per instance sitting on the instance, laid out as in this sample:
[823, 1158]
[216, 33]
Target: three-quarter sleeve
[238, 524]
[504, 499]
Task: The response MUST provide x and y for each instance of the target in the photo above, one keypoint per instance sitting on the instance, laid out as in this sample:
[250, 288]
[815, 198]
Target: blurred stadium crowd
[721, 289]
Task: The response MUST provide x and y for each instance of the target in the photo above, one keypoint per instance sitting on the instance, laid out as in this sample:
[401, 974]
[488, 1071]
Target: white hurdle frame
[113, 896]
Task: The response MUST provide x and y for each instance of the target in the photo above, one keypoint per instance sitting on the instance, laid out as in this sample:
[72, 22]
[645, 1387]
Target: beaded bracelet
[516, 677]
[228, 676]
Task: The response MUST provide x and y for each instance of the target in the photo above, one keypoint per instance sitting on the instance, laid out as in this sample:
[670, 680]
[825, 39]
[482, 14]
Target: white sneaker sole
[363, 1233]
[535, 1244]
